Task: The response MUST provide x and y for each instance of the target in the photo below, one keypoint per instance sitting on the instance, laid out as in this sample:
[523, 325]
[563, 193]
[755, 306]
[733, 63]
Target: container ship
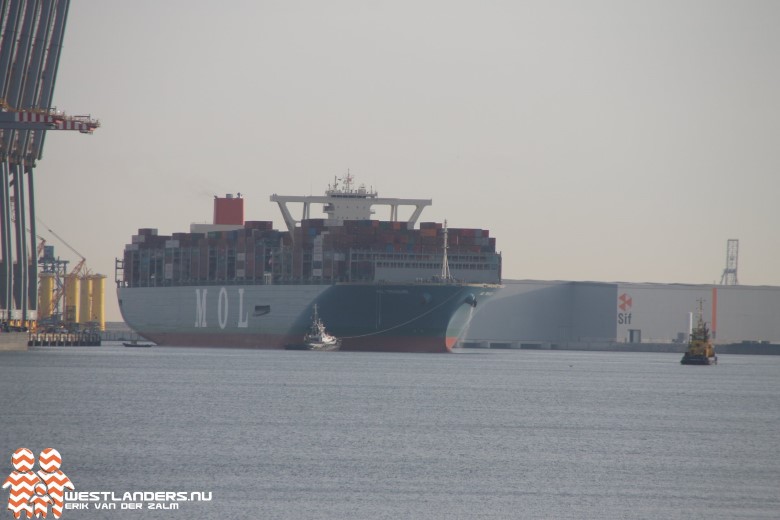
[379, 285]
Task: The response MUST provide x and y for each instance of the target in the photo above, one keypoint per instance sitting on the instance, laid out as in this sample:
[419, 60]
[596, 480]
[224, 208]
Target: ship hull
[366, 317]
[698, 360]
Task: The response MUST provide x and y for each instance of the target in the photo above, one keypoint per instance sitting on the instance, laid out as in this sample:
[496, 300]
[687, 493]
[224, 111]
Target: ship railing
[259, 281]
[302, 281]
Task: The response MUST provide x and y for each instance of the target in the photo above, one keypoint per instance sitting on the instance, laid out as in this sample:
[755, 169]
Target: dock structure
[13, 341]
[31, 36]
[65, 339]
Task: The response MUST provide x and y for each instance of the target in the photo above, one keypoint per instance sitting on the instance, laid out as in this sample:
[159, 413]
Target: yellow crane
[76, 271]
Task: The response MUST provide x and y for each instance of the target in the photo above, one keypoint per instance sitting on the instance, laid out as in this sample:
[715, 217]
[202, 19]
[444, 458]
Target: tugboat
[135, 343]
[317, 338]
[700, 349]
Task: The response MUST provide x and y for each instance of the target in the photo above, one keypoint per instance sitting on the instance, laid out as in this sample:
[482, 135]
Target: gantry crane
[729, 276]
[31, 39]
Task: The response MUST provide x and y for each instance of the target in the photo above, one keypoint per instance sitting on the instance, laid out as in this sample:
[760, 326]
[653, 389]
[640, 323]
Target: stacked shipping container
[315, 253]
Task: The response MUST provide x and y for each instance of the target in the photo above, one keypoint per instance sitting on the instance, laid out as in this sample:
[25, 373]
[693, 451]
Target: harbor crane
[30, 48]
[729, 276]
[59, 291]
[18, 157]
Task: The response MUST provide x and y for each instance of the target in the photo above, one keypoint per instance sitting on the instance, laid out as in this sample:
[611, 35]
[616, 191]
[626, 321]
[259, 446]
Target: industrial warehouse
[597, 315]
[532, 314]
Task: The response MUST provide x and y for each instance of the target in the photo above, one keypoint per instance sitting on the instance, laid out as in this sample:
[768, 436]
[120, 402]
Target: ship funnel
[229, 210]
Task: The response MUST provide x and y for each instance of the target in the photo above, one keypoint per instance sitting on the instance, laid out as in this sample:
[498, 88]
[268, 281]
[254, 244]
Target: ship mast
[445, 265]
[700, 332]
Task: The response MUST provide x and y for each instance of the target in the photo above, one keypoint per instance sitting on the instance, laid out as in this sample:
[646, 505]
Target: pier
[65, 339]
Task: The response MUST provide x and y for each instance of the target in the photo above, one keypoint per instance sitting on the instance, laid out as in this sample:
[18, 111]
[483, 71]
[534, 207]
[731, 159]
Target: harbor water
[341, 435]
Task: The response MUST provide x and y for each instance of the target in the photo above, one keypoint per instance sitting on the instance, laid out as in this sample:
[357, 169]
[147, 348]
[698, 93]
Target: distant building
[566, 312]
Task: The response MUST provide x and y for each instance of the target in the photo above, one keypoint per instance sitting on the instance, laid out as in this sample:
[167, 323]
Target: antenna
[729, 276]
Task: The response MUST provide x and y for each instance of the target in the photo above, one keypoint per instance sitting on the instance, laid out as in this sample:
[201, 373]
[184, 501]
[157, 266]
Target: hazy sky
[597, 140]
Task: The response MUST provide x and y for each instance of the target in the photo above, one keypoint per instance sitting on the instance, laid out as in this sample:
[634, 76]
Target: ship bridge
[342, 201]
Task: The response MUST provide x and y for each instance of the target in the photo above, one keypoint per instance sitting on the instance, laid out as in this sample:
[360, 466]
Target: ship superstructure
[244, 283]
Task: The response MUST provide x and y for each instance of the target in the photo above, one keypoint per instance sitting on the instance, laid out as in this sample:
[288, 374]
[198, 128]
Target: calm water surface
[479, 434]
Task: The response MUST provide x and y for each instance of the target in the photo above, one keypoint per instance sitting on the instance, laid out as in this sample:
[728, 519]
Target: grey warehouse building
[537, 313]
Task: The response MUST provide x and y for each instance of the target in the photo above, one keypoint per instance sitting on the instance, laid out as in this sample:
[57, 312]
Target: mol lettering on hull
[227, 315]
[223, 309]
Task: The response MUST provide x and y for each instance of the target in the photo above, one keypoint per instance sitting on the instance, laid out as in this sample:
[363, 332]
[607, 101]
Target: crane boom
[45, 120]
[55, 235]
